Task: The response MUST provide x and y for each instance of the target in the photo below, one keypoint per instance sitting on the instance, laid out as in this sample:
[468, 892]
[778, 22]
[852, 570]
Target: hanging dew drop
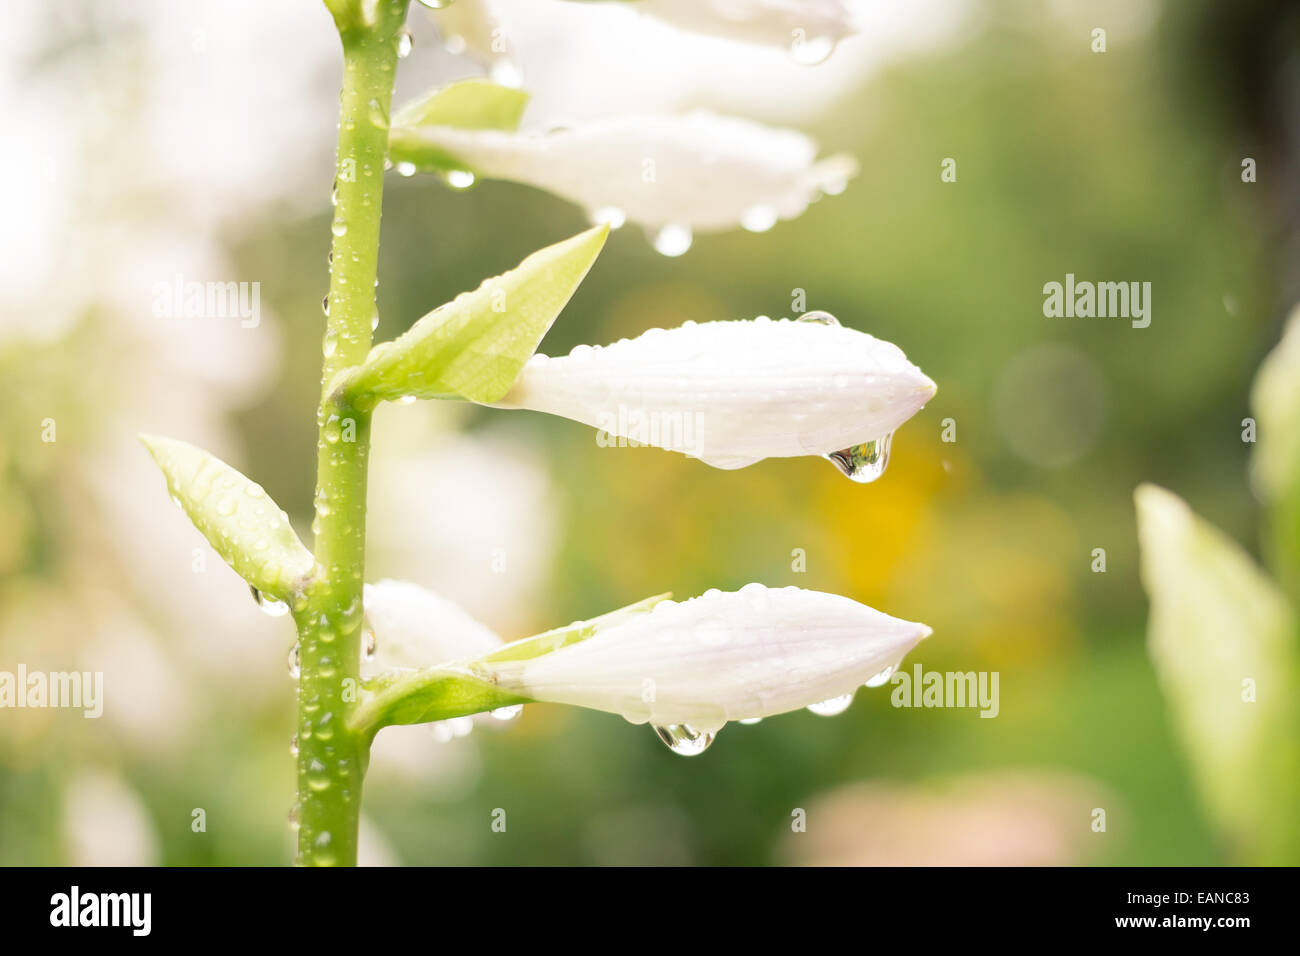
[269, 605]
[404, 44]
[829, 708]
[405, 169]
[460, 179]
[882, 678]
[295, 661]
[863, 463]
[684, 740]
[673, 241]
[759, 219]
[819, 317]
[508, 713]
[750, 721]
[436, 4]
[339, 228]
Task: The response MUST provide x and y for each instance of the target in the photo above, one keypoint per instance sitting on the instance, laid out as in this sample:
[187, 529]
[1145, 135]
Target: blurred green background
[1116, 166]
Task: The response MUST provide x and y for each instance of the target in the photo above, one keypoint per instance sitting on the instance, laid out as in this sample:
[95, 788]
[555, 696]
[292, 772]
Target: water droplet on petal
[673, 240]
[684, 740]
[506, 72]
[269, 605]
[339, 227]
[759, 219]
[818, 317]
[295, 661]
[378, 115]
[863, 463]
[810, 51]
[404, 44]
[829, 708]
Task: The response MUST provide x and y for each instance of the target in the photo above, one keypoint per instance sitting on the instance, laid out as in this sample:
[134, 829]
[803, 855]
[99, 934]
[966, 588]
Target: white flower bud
[719, 657]
[674, 174]
[734, 393]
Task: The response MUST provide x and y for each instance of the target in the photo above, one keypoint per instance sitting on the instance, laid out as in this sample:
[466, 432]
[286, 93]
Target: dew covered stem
[330, 758]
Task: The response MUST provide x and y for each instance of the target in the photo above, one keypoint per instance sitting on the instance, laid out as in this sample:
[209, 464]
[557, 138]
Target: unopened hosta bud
[409, 627]
[734, 393]
[673, 175]
[719, 657]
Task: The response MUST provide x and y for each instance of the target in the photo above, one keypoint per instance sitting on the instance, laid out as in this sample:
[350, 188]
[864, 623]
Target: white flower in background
[408, 628]
[105, 823]
[991, 818]
[674, 175]
[689, 667]
[734, 393]
[411, 627]
[810, 28]
[471, 28]
[479, 514]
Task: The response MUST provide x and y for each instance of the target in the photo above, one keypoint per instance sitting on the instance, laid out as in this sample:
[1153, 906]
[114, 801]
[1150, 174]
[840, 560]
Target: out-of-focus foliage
[1224, 643]
[1117, 166]
[1276, 402]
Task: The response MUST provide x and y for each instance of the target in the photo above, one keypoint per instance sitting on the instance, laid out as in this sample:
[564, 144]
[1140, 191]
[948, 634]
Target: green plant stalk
[331, 757]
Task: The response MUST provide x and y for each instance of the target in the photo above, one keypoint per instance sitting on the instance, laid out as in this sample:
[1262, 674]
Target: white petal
[414, 628]
[699, 171]
[720, 657]
[733, 393]
[769, 22]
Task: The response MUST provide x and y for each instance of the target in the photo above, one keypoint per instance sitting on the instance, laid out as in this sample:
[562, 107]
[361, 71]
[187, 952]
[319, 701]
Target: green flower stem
[331, 757]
